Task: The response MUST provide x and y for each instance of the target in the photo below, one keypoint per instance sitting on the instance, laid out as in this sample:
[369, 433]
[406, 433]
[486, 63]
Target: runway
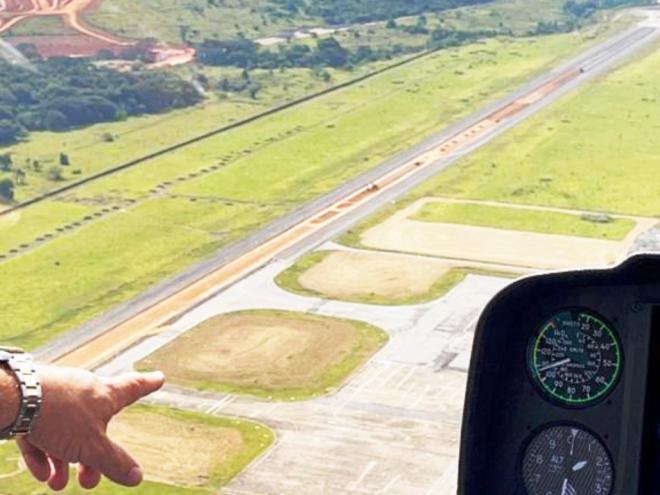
[322, 219]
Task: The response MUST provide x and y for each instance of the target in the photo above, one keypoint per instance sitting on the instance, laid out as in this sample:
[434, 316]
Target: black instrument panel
[563, 394]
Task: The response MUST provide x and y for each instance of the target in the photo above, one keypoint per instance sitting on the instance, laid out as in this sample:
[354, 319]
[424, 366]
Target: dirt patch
[490, 245]
[346, 274]
[266, 352]
[173, 451]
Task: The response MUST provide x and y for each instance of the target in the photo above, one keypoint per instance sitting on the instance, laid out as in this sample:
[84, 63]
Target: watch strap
[22, 366]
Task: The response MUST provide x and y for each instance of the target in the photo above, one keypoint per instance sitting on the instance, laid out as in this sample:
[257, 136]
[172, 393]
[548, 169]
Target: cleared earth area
[375, 278]
[180, 452]
[176, 450]
[516, 236]
[272, 354]
[345, 275]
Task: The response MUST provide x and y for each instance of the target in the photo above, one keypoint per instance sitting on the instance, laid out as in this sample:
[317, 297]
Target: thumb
[131, 387]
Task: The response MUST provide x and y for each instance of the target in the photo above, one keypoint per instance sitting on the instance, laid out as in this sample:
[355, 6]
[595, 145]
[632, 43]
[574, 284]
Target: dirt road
[13, 12]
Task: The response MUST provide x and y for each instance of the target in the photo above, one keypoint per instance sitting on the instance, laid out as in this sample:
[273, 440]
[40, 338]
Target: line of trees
[65, 93]
[580, 9]
[246, 54]
[328, 52]
[340, 12]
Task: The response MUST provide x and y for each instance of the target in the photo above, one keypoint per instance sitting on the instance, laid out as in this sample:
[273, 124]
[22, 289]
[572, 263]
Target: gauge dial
[567, 460]
[575, 358]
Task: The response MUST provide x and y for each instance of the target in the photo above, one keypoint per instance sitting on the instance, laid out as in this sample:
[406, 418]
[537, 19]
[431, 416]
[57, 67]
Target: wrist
[11, 398]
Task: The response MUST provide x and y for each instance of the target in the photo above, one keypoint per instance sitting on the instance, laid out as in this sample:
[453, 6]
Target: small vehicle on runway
[564, 387]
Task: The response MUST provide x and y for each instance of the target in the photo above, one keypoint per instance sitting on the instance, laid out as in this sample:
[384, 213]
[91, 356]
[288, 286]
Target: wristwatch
[21, 365]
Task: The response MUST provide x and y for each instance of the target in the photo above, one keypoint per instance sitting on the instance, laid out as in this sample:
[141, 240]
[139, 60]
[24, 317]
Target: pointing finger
[131, 387]
[115, 463]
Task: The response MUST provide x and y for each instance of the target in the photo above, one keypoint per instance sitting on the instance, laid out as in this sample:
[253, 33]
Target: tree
[55, 174]
[10, 131]
[254, 87]
[332, 53]
[54, 120]
[5, 162]
[105, 54]
[7, 189]
[29, 50]
[19, 176]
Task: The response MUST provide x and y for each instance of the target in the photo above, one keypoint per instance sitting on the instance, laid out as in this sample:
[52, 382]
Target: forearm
[71, 423]
[10, 398]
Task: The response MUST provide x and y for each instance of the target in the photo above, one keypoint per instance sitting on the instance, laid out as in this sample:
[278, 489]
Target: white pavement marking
[386, 489]
[365, 472]
[220, 404]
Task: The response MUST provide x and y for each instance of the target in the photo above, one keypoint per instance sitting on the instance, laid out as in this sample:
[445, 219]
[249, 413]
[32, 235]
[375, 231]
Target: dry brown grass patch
[347, 275]
[174, 451]
[268, 353]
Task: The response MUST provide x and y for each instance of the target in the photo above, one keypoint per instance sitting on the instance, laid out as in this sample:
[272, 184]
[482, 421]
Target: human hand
[71, 427]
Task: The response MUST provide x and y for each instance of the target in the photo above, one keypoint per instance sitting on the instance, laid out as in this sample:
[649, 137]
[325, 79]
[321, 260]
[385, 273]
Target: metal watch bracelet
[22, 366]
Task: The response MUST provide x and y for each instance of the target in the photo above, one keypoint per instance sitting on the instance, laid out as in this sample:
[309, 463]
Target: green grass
[371, 339]
[163, 19]
[257, 439]
[26, 225]
[289, 280]
[90, 153]
[595, 150]
[264, 170]
[546, 222]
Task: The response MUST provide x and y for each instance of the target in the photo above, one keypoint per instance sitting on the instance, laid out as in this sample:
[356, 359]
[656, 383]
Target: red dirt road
[82, 39]
[87, 41]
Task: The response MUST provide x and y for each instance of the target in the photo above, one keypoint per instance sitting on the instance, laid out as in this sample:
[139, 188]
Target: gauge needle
[580, 465]
[555, 365]
[567, 488]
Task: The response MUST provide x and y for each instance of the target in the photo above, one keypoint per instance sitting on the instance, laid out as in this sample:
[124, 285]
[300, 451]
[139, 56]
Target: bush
[7, 189]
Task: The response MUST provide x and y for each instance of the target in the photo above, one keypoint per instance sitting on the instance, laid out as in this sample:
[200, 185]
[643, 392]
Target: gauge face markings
[567, 460]
[575, 358]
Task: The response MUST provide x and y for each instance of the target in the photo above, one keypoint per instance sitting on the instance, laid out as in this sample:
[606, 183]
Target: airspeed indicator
[575, 358]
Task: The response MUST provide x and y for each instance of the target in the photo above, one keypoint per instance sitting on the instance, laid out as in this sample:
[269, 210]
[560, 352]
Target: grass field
[275, 355]
[163, 19]
[91, 151]
[374, 278]
[546, 222]
[191, 202]
[196, 454]
[593, 150]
